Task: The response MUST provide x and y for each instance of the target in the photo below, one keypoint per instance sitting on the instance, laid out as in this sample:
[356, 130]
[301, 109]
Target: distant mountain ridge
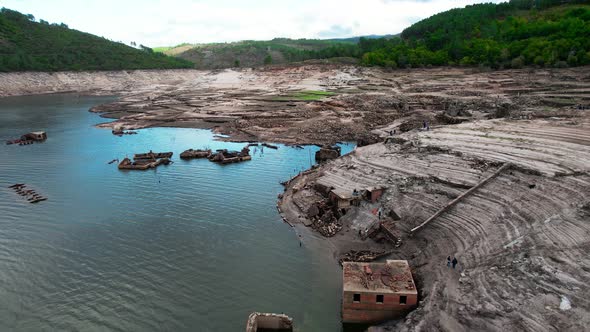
[251, 53]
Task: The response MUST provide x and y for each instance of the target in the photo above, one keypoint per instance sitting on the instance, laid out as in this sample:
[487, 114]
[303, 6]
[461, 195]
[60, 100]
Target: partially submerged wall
[269, 322]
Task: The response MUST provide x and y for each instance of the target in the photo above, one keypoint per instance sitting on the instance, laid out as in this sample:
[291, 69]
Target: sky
[171, 22]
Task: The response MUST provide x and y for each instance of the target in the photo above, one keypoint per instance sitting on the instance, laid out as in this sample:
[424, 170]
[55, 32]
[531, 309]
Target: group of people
[453, 262]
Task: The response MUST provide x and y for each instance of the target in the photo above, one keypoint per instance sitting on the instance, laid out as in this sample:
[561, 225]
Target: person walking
[448, 261]
[380, 210]
[455, 262]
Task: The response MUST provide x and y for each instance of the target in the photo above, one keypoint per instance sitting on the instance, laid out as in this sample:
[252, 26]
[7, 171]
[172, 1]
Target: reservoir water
[193, 246]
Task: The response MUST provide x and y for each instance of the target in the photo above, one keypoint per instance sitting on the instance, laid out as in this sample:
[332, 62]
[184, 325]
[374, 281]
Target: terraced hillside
[520, 238]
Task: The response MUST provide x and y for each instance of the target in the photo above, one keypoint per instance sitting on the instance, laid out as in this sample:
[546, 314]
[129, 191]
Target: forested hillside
[27, 45]
[507, 35]
[546, 33]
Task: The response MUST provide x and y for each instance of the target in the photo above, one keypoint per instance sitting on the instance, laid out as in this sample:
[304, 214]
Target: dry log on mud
[362, 255]
[456, 200]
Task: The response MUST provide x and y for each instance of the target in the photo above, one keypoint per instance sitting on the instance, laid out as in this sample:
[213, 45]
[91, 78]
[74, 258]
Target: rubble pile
[327, 224]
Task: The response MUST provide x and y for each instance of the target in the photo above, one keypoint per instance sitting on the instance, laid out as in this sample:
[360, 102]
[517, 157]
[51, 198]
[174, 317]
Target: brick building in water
[374, 292]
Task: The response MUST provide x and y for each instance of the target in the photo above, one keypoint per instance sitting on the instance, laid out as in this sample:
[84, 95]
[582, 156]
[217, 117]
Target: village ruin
[375, 292]
[498, 178]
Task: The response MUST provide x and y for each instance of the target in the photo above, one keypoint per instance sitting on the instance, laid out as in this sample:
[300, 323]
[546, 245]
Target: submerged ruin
[195, 154]
[119, 132]
[152, 155]
[29, 138]
[374, 292]
[259, 322]
[142, 164]
[226, 157]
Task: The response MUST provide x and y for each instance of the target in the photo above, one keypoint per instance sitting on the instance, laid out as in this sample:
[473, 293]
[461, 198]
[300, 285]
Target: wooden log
[456, 200]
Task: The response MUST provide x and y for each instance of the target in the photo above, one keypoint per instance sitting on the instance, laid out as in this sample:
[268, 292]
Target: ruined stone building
[374, 292]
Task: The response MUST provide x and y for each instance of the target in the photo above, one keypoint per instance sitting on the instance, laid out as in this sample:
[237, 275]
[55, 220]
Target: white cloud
[159, 22]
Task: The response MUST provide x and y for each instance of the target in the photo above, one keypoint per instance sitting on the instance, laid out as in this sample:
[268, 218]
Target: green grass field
[305, 95]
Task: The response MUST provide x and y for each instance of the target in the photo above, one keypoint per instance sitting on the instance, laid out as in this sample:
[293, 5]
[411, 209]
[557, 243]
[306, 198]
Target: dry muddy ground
[288, 104]
[282, 104]
[521, 239]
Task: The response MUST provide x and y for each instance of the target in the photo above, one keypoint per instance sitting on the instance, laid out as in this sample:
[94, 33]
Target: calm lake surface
[193, 246]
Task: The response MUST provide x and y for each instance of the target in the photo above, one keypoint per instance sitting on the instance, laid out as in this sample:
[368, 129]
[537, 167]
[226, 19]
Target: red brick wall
[368, 310]
[375, 195]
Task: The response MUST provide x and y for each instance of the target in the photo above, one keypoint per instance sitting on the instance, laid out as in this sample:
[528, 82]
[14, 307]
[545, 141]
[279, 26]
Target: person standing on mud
[448, 261]
[455, 262]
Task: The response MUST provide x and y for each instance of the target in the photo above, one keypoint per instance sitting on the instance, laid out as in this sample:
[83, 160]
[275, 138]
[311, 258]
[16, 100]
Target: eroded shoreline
[512, 237]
